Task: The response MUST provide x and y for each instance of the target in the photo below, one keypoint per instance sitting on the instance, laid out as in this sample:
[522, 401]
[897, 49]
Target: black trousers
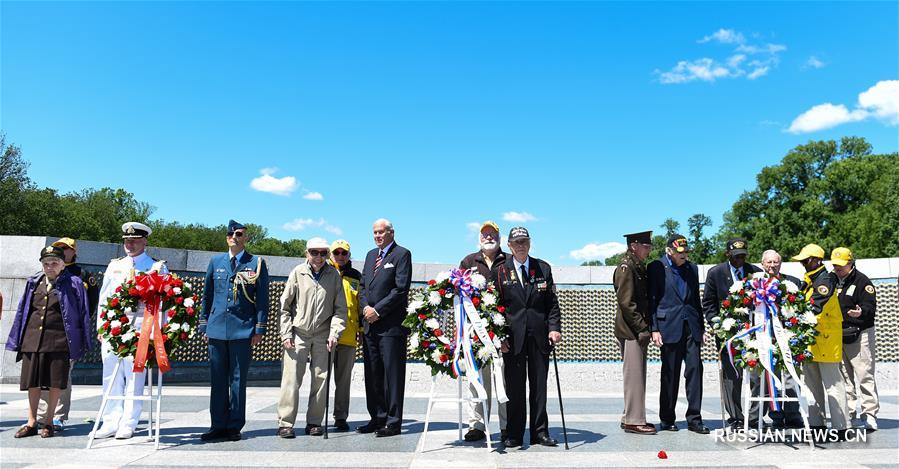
[687, 352]
[385, 378]
[531, 365]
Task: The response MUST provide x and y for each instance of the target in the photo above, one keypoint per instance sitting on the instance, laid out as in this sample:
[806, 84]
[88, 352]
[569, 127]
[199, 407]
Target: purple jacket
[75, 314]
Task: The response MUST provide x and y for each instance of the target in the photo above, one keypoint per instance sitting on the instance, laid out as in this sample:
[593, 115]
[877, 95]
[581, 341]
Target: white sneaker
[870, 422]
[105, 431]
[124, 433]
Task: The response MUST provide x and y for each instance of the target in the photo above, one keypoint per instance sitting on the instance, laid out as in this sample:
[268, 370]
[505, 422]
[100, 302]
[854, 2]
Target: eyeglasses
[235, 234]
[340, 252]
[318, 253]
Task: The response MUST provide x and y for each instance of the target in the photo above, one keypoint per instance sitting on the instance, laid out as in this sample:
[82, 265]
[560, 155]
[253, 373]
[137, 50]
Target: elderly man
[234, 319]
[120, 418]
[313, 314]
[61, 414]
[632, 330]
[822, 373]
[489, 255]
[678, 328]
[858, 304]
[528, 293]
[386, 279]
[790, 416]
[345, 352]
[717, 285]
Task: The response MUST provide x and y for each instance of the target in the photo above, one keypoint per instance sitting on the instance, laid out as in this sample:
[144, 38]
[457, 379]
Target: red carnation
[190, 311]
[746, 301]
[432, 282]
[444, 358]
[501, 309]
[116, 331]
[422, 317]
[184, 336]
[742, 292]
[171, 313]
[123, 320]
[442, 291]
[663, 455]
[476, 301]
[491, 334]
[179, 300]
[133, 291]
[793, 321]
[752, 363]
[118, 288]
[438, 333]
[726, 303]
[170, 293]
[105, 326]
[114, 302]
[425, 344]
[792, 298]
[800, 357]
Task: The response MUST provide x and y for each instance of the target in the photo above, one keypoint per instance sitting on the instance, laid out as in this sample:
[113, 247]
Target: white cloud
[594, 251]
[724, 36]
[268, 183]
[300, 224]
[814, 62]
[738, 64]
[881, 102]
[518, 217]
[473, 226]
[314, 196]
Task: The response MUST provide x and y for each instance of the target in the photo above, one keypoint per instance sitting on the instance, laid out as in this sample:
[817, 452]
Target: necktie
[524, 275]
[233, 263]
[378, 261]
[739, 273]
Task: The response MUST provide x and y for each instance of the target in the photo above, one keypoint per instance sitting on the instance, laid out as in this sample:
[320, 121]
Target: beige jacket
[310, 308]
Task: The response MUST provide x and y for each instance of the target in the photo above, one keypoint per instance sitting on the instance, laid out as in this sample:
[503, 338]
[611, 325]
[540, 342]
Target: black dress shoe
[503, 434]
[234, 435]
[315, 430]
[475, 435]
[341, 425]
[387, 431]
[699, 428]
[369, 427]
[544, 439]
[214, 434]
[511, 442]
[286, 432]
[668, 427]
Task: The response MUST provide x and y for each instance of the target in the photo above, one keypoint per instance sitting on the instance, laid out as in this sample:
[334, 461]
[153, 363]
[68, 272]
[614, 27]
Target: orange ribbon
[151, 289]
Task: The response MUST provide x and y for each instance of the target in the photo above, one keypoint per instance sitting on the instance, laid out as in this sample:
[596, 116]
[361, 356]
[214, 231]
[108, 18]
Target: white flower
[432, 324]
[128, 310]
[759, 275]
[443, 339]
[499, 320]
[187, 286]
[188, 302]
[728, 324]
[483, 354]
[737, 286]
[435, 355]
[442, 276]
[414, 305]
[750, 356]
[127, 336]
[185, 327]
[741, 311]
[434, 298]
[177, 290]
[478, 281]
[114, 324]
[791, 287]
[489, 299]
[414, 342]
[809, 318]
[788, 312]
[174, 326]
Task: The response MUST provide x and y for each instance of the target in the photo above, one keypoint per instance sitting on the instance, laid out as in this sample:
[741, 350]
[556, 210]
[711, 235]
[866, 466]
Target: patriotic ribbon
[151, 289]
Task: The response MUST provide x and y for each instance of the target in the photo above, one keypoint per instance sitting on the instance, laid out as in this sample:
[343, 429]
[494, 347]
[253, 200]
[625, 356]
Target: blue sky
[583, 120]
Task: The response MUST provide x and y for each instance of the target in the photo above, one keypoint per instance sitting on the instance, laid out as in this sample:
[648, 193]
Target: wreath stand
[763, 399]
[459, 400]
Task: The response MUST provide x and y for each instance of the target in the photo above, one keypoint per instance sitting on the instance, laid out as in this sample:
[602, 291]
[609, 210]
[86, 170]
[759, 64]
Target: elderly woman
[313, 313]
[52, 326]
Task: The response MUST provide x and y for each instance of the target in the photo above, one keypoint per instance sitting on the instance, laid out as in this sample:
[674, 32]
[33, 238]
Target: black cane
[327, 393]
[559, 388]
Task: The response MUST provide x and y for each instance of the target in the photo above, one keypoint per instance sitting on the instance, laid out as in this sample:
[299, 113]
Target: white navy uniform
[123, 416]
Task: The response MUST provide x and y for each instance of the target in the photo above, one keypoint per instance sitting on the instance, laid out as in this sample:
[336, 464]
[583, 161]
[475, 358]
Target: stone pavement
[592, 407]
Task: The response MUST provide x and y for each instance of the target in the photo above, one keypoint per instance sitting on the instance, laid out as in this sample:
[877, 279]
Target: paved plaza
[592, 407]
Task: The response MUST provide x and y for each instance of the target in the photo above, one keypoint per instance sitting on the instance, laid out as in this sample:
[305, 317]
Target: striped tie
[378, 261]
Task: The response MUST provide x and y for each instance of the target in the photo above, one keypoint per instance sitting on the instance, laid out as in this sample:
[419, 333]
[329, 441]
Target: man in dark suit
[528, 294]
[717, 288]
[384, 293]
[678, 328]
[233, 320]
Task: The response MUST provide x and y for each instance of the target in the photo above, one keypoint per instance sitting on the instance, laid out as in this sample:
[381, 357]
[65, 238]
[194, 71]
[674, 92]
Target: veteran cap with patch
[134, 229]
[52, 251]
[519, 232]
[810, 250]
[643, 237]
[678, 243]
[737, 246]
[841, 256]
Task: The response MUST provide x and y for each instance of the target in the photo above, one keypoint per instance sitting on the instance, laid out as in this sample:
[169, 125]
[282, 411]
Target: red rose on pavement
[663, 455]
[116, 331]
[432, 282]
[438, 333]
[475, 301]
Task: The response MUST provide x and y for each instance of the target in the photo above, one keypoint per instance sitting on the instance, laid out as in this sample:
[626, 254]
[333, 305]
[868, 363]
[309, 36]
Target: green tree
[592, 263]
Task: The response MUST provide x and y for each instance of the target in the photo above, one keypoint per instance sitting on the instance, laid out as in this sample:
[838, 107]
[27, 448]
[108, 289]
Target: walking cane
[327, 394]
[559, 388]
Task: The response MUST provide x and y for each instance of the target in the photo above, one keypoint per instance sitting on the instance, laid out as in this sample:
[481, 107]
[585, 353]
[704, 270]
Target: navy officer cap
[235, 225]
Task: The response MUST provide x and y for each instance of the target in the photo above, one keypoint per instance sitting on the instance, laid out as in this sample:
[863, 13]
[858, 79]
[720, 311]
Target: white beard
[489, 247]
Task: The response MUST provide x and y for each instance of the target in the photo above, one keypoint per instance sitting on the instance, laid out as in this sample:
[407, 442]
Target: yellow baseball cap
[841, 256]
[340, 244]
[810, 250]
[65, 243]
[491, 224]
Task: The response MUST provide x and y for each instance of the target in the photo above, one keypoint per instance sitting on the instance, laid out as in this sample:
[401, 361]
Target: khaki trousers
[633, 353]
[476, 409]
[62, 408]
[344, 358]
[858, 375]
[293, 367]
[821, 378]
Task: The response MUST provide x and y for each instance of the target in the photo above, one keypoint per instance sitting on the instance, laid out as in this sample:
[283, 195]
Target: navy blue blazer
[387, 291]
[227, 314]
[668, 308]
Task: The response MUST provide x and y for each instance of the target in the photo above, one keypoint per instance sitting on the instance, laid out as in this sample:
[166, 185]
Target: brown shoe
[640, 429]
[286, 432]
[47, 431]
[26, 431]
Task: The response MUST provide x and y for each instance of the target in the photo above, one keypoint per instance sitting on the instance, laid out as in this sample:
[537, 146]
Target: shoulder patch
[622, 266]
[822, 289]
[869, 289]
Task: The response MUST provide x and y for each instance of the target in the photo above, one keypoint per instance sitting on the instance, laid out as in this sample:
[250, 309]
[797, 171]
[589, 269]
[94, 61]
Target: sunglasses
[318, 253]
[235, 234]
[340, 253]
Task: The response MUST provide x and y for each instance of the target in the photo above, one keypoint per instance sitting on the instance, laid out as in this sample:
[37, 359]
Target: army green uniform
[632, 331]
